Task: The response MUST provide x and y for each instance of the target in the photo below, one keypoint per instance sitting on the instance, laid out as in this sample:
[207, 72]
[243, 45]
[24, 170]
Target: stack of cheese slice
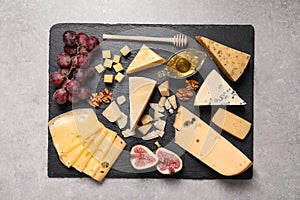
[84, 143]
[140, 91]
[216, 91]
[203, 142]
[231, 61]
[145, 59]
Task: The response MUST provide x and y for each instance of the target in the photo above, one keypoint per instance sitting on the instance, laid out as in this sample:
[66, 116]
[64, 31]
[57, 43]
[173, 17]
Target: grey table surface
[24, 34]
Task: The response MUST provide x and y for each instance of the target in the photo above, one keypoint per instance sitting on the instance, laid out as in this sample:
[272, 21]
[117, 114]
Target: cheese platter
[137, 108]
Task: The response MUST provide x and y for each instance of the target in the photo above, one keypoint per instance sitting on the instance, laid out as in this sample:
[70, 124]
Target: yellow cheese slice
[216, 91]
[231, 123]
[105, 145]
[145, 59]
[140, 91]
[70, 158]
[82, 160]
[110, 158]
[203, 142]
[231, 61]
[92, 167]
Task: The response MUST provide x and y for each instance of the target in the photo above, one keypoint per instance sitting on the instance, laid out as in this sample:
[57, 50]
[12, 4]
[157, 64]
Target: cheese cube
[121, 100]
[164, 89]
[122, 121]
[172, 100]
[112, 113]
[231, 123]
[128, 133]
[160, 124]
[168, 105]
[125, 50]
[100, 68]
[106, 54]
[145, 128]
[157, 107]
[108, 63]
[158, 115]
[108, 78]
[162, 101]
[119, 77]
[117, 59]
[153, 134]
[146, 119]
[118, 67]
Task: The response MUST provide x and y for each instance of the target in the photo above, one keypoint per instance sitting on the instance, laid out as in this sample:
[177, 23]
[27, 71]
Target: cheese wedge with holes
[216, 91]
[231, 61]
[231, 123]
[203, 142]
[145, 59]
[140, 91]
[83, 143]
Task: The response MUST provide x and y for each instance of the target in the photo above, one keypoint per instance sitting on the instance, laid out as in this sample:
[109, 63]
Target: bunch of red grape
[74, 68]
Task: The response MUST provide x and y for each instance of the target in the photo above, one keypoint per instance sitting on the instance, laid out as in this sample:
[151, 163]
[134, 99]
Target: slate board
[237, 36]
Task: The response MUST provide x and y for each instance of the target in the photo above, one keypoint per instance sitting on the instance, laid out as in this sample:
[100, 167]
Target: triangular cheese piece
[204, 143]
[140, 91]
[231, 61]
[145, 59]
[216, 91]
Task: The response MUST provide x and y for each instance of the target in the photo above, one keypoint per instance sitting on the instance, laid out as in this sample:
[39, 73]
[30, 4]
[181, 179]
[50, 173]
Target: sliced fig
[168, 161]
[142, 158]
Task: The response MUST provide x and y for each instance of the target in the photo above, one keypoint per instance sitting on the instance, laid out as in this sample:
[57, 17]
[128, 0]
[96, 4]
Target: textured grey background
[24, 32]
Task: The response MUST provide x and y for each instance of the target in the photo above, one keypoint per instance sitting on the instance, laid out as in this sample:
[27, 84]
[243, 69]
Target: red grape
[60, 96]
[63, 72]
[82, 37]
[56, 78]
[84, 92]
[72, 86]
[72, 51]
[90, 71]
[84, 52]
[73, 98]
[80, 75]
[81, 61]
[64, 60]
[91, 43]
[69, 38]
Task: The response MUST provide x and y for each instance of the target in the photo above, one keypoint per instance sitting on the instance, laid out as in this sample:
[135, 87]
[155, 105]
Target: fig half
[168, 161]
[142, 158]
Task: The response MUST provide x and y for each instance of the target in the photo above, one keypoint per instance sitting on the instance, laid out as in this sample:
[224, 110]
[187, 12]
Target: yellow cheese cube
[146, 119]
[118, 67]
[117, 58]
[231, 123]
[164, 89]
[100, 68]
[108, 78]
[125, 50]
[119, 77]
[106, 54]
[108, 63]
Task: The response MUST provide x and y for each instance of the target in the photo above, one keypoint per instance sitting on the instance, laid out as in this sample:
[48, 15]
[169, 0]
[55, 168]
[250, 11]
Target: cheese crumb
[121, 100]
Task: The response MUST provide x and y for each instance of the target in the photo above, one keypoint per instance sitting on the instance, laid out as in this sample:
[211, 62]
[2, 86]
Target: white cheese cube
[128, 133]
[157, 107]
[160, 124]
[158, 115]
[153, 134]
[162, 101]
[168, 105]
[122, 121]
[146, 119]
[121, 100]
[112, 113]
[145, 128]
[164, 89]
[172, 100]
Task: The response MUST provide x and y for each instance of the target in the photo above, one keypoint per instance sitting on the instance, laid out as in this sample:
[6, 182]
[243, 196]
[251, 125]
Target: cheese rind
[216, 91]
[231, 61]
[140, 91]
[231, 123]
[145, 59]
[203, 142]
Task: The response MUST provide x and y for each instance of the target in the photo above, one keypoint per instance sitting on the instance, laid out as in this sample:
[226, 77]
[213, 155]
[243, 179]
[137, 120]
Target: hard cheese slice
[231, 61]
[140, 91]
[203, 142]
[216, 91]
[231, 123]
[145, 59]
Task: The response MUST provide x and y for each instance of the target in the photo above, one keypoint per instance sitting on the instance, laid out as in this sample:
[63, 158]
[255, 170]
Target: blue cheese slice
[216, 91]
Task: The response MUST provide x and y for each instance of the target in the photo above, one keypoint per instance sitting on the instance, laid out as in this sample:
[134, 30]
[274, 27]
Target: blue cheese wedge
[216, 91]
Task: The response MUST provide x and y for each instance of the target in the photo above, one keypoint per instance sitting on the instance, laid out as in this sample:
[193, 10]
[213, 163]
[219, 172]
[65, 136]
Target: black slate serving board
[237, 36]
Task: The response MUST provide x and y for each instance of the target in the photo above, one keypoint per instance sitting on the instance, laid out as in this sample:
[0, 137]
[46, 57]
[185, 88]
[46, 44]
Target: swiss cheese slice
[145, 59]
[203, 142]
[216, 91]
[140, 91]
[231, 123]
[231, 61]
